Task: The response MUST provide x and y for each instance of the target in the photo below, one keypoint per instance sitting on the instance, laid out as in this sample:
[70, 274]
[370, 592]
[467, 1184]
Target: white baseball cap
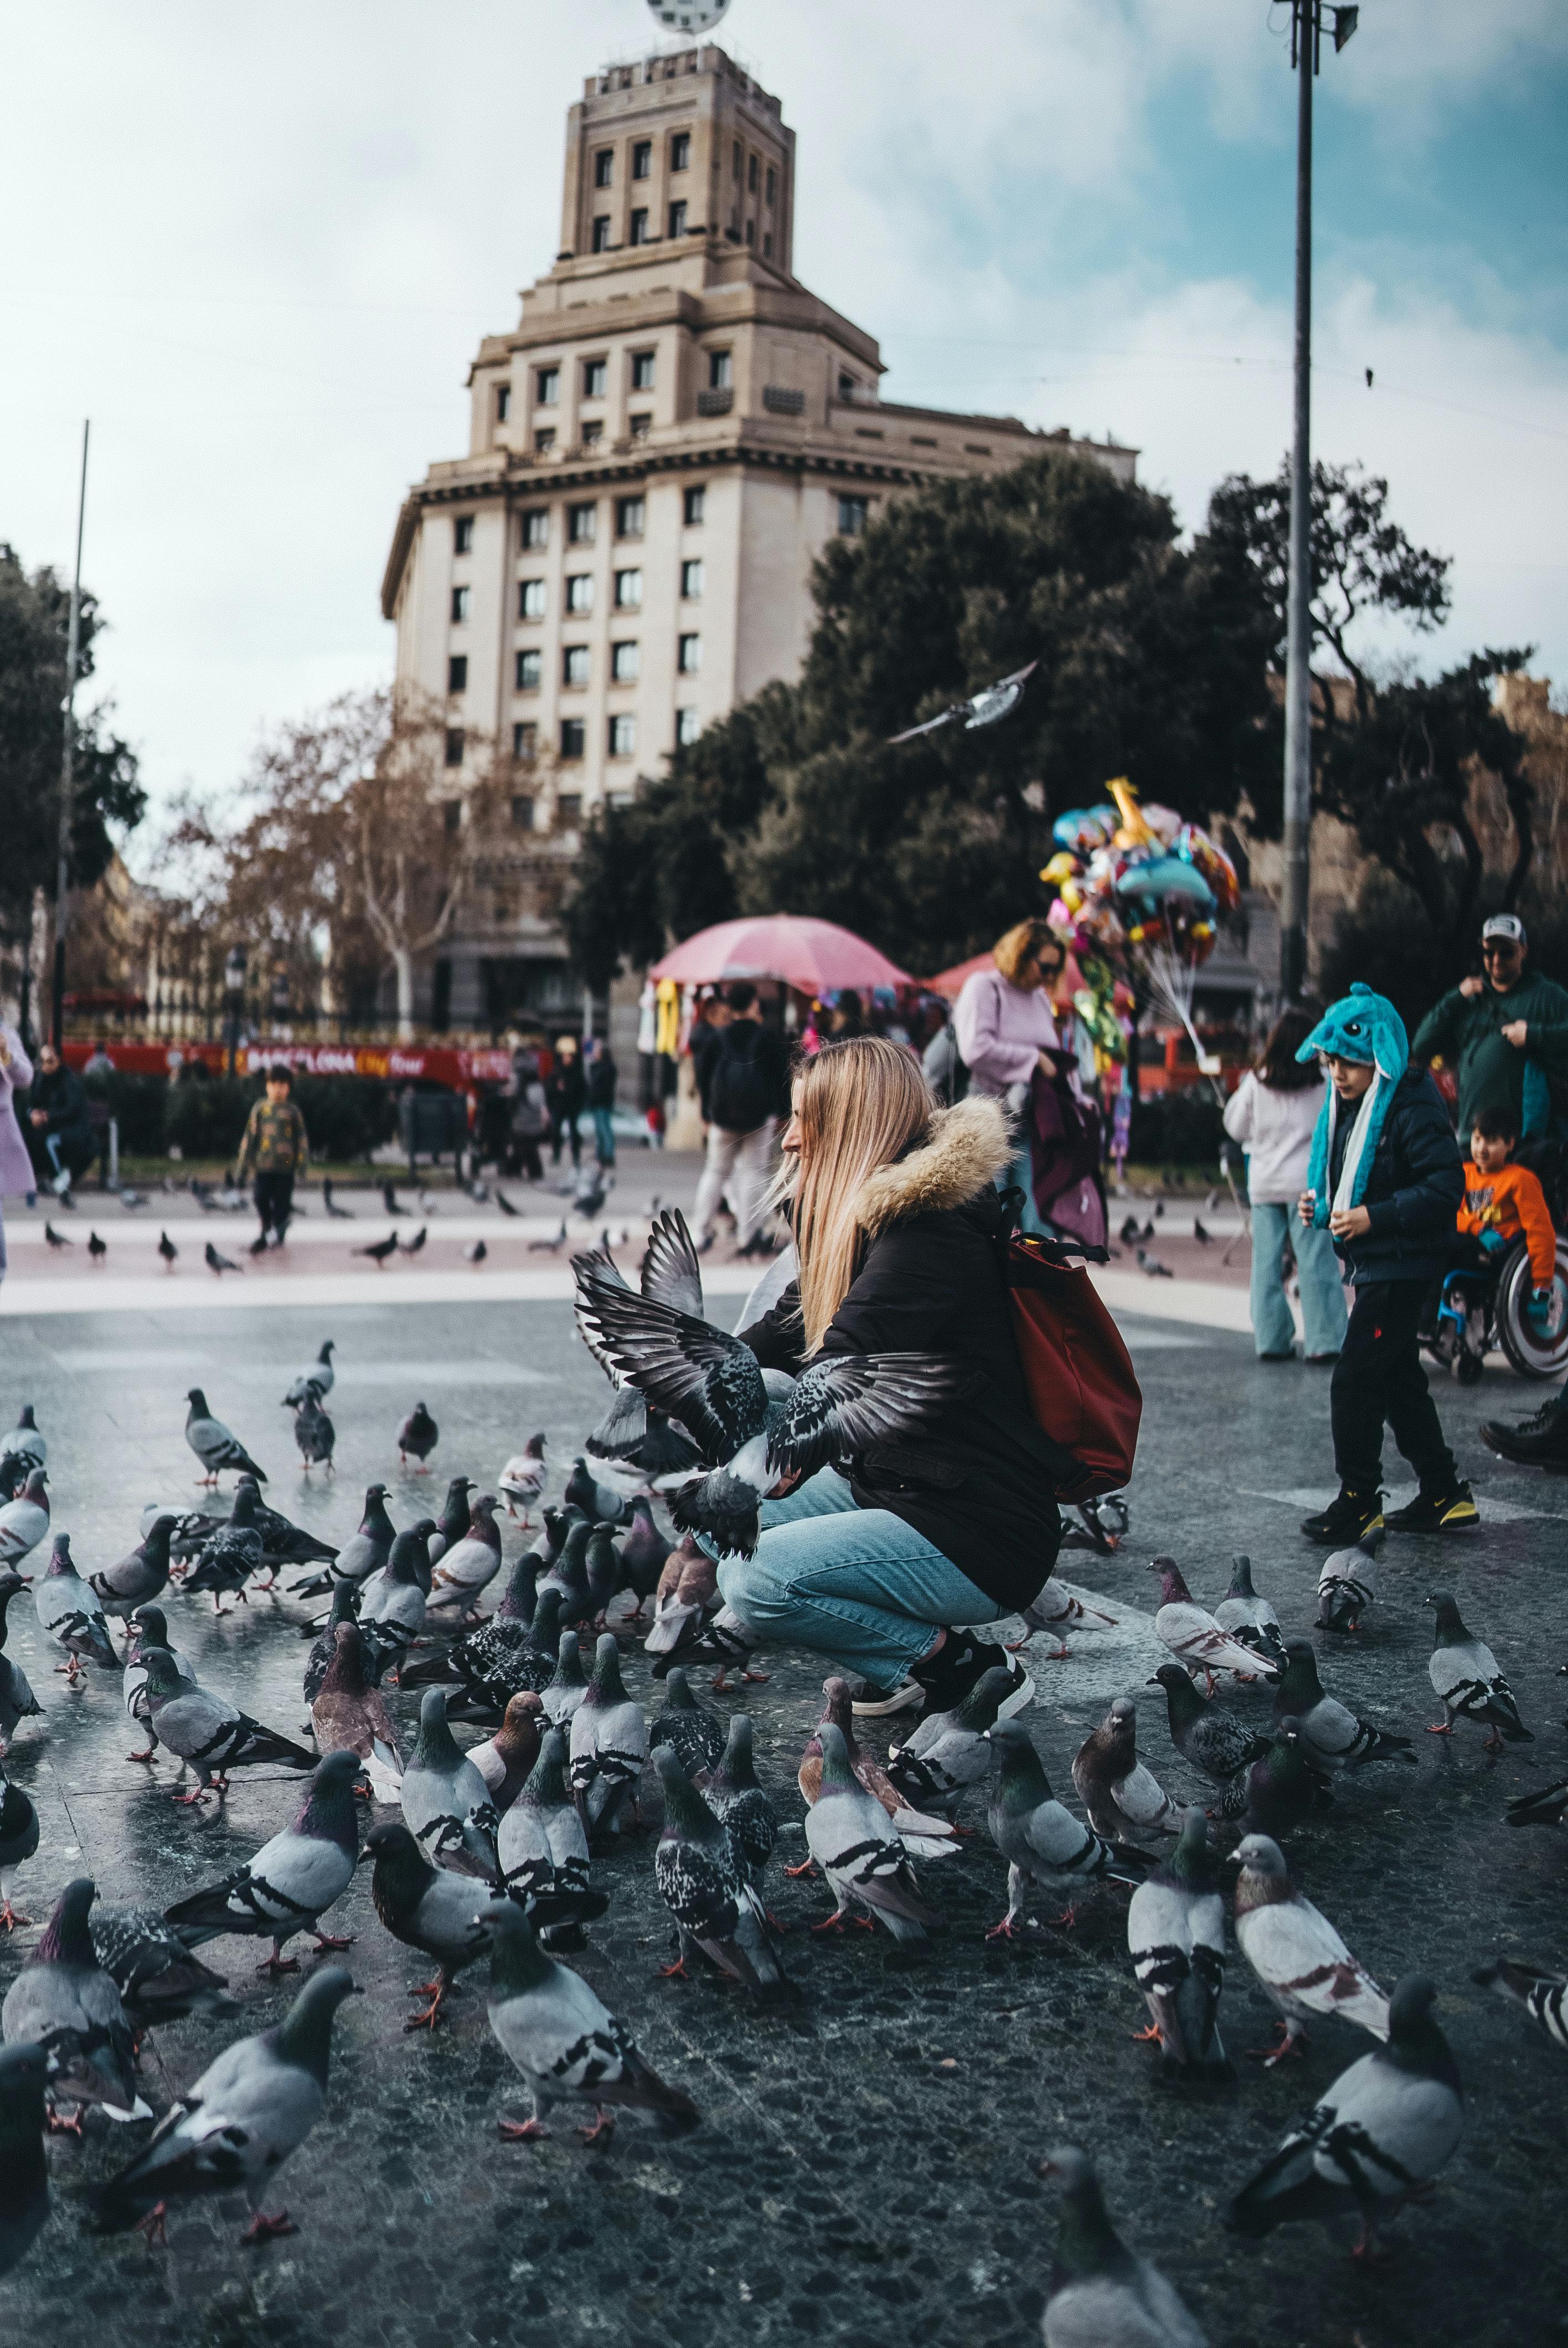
[1503, 925]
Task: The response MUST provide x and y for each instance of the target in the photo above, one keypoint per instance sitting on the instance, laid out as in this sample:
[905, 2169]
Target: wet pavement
[866, 2164]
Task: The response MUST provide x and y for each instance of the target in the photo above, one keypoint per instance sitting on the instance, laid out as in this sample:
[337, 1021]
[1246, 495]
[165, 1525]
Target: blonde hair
[1024, 942]
[861, 1104]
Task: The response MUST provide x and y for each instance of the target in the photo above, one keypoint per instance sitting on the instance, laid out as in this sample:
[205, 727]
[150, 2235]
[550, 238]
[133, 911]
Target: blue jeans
[1323, 1314]
[604, 1136]
[858, 1585]
[1019, 1176]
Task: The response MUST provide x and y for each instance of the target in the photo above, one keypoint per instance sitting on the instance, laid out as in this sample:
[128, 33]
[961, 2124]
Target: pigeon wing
[671, 1273]
[853, 1402]
[702, 1376]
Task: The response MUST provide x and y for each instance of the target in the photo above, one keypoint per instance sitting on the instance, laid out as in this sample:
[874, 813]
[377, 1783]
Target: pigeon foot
[11, 1916]
[263, 2228]
[1066, 1921]
[1150, 2037]
[326, 1941]
[1290, 2043]
[153, 2225]
[1441, 1729]
[602, 2129]
[185, 1800]
[806, 1867]
[149, 1756]
[60, 2126]
[276, 1964]
[523, 2131]
[677, 1972]
[1006, 1931]
[426, 2019]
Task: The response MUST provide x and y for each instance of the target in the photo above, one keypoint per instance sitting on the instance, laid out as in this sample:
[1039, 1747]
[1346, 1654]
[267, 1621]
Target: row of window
[639, 229]
[533, 595]
[577, 664]
[642, 159]
[595, 378]
[581, 524]
[620, 742]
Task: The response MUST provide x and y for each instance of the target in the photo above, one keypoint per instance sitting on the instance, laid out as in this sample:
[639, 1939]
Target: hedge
[1177, 1128]
[346, 1117]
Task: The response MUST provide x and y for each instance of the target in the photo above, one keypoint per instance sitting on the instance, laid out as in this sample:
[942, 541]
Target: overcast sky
[258, 247]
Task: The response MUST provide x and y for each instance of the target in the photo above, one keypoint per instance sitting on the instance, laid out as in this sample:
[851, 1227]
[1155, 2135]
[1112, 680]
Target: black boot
[1347, 1519]
[1539, 1441]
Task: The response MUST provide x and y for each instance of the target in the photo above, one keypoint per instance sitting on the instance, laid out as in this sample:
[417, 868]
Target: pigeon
[98, 1248]
[358, 1559]
[155, 1974]
[501, 1658]
[446, 1804]
[1544, 1996]
[1548, 1808]
[740, 1804]
[56, 1238]
[688, 1589]
[505, 1203]
[168, 1251]
[471, 1564]
[346, 1599]
[452, 1524]
[315, 1435]
[1124, 1800]
[392, 1606]
[1193, 1637]
[425, 1908]
[1051, 1608]
[608, 1746]
[1041, 1841]
[25, 1440]
[418, 1434]
[379, 1251]
[992, 703]
[476, 1252]
[218, 1264]
[348, 1715]
[707, 1888]
[24, 2171]
[25, 1520]
[18, 1844]
[1347, 1585]
[63, 2001]
[505, 1760]
[695, 1735]
[567, 1575]
[69, 1613]
[1248, 1619]
[1334, 1736]
[1210, 1738]
[1204, 1238]
[1176, 1933]
[239, 2123]
[1279, 1791]
[412, 1246]
[214, 1443]
[522, 1479]
[1302, 1965]
[922, 1837]
[567, 2046]
[1102, 2296]
[598, 1502]
[344, 1214]
[549, 1246]
[568, 1688]
[317, 1380]
[206, 1733]
[948, 1752]
[601, 1570]
[1130, 1232]
[725, 1639]
[542, 1844]
[120, 1589]
[1150, 1266]
[851, 1837]
[232, 1554]
[1463, 1672]
[644, 1553]
[17, 1701]
[147, 1628]
[282, 1543]
[1375, 2140]
[290, 1883]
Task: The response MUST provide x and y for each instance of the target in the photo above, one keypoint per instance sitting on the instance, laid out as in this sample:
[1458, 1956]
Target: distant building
[659, 450]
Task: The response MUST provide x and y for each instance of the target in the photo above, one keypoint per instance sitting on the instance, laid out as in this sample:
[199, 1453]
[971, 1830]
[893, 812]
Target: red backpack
[1083, 1388]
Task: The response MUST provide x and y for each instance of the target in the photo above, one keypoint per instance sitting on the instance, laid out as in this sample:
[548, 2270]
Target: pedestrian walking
[17, 1176]
[1274, 1112]
[1016, 1050]
[1505, 1037]
[742, 1082]
[530, 1118]
[276, 1149]
[567, 1094]
[602, 1080]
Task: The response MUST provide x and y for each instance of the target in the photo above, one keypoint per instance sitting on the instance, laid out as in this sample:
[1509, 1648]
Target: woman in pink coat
[1007, 1034]
[17, 1178]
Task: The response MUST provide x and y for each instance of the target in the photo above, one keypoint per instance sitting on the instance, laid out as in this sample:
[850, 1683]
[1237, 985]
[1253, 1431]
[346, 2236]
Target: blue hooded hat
[1361, 1026]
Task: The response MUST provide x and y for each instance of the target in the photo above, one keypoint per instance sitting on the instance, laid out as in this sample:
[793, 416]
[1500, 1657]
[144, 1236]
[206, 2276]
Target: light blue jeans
[1019, 1176]
[858, 1585]
[1323, 1314]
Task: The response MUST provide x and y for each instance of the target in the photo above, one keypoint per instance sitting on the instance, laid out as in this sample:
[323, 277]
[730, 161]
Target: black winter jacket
[1413, 1191]
[932, 1282]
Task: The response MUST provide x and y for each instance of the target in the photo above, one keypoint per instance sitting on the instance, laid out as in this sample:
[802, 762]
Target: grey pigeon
[742, 1805]
[1124, 1798]
[346, 1599]
[851, 1837]
[1347, 1584]
[1279, 1791]
[24, 2171]
[158, 1977]
[149, 1629]
[1195, 1637]
[505, 1761]
[567, 1575]
[542, 1844]
[425, 1908]
[608, 1746]
[24, 1440]
[563, 2041]
[215, 1445]
[1302, 1965]
[25, 1520]
[290, 1883]
[453, 1520]
[511, 1652]
[1544, 1996]
[315, 1436]
[923, 1837]
[1041, 1841]
[600, 1503]
[1464, 1673]
[1248, 1619]
[392, 1606]
[232, 1554]
[317, 1379]
[471, 1564]
[1547, 1806]
[1102, 2296]
[706, 1887]
[349, 1715]
[63, 2001]
[695, 1735]
[120, 1589]
[239, 2123]
[1336, 1738]
[601, 1568]
[688, 1589]
[445, 1803]
[1052, 1608]
[18, 1844]
[207, 1733]
[643, 1551]
[362, 1556]
[1375, 2139]
[69, 1613]
[420, 1434]
[948, 1752]
[522, 1479]
[17, 1701]
[725, 1639]
[282, 1542]
[1176, 1934]
[1213, 1740]
[568, 1685]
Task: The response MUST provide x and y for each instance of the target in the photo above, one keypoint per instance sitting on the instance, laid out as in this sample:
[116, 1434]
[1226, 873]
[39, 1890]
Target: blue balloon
[1167, 876]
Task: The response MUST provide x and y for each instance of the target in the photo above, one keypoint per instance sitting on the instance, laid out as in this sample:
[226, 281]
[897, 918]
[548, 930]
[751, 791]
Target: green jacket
[1465, 1033]
[274, 1141]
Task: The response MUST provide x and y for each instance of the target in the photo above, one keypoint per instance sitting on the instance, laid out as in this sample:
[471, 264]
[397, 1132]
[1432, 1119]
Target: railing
[715, 403]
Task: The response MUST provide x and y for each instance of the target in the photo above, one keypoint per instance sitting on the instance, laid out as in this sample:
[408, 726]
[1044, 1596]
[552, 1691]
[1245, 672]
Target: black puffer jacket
[932, 1282]
[1413, 1191]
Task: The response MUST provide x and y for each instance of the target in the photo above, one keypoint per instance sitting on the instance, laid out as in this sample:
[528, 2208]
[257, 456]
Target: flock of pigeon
[486, 1856]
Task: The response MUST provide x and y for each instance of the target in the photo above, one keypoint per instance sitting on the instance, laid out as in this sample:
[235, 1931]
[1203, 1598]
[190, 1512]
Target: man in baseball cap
[1504, 1034]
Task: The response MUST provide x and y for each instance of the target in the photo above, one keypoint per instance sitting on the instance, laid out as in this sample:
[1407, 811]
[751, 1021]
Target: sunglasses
[1503, 950]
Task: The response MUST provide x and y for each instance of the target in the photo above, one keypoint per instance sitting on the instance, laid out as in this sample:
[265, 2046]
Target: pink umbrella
[814, 957]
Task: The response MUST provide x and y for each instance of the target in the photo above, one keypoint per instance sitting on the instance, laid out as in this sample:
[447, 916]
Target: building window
[580, 592]
[525, 741]
[574, 664]
[639, 226]
[536, 526]
[641, 426]
[720, 371]
[457, 672]
[569, 804]
[573, 741]
[532, 599]
[643, 370]
[696, 508]
[848, 387]
[629, 591]
[522, 809]
[604, 168]
[549, 386]
[751, 231]
[623, 737]
[579, 525]
[642, 159]
[767, 244]
[853, 515]
[681, 152]
[463, 534]
[625, 663]
[592, 434]
[452, 811]
[689, 657]
[773, 183]
[460, 603]
[630, 514]
[678, 218]
[736, 161]
[454, 758]
[530, 672]
[544, 441]
[595, 378]
[688, 726]
[602, 233]
[691, 581]
[752, 168]
[503, 402]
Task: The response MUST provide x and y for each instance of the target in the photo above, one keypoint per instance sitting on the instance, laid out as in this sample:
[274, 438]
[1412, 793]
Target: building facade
[659, 450]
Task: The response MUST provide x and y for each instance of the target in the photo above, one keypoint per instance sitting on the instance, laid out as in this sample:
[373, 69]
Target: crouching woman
[888, 1569]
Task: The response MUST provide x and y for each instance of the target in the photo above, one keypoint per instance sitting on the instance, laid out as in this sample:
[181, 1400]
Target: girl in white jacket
[1272, 1113]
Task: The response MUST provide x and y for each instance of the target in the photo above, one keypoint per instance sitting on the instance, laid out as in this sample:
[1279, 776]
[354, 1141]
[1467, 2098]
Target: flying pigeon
[18, 1844]
[1102, 2296]
[922, 1837]
[1302, 1965]
[568, 1685]
[392, 1608]
[69, 1613]
[1041, 1841]
[1193, 1636]
[983, 708]
[740, 1804]
[239, 2123]
[24, 2171]
[147, 1628]
[1463, 1672]
[1124, 1800]
[851, 1837]
[349, 1715]
[1248, 1619]
[471, 1564]
[218, 1263]
[522, 1479]
[63, 2001]
[120, 1589]
[695, 1735]
[315, 1435]
[505, 1760]
[948, 1752]
[1375, 2139]
[1347, 1585]
[1335, 1737]
[1176, 1933]
[206, 1733]
[608, 1746]
[17, 1701]
[232, 1554]
[1544, 1996]
[25, 1520]
[362, 1556]
[707, 1888]
[446, 1804]
[290, 1883]
[418, 1434]
[155, 1974]
[1051, 1608]
[1210, 1738]
[214, 1443]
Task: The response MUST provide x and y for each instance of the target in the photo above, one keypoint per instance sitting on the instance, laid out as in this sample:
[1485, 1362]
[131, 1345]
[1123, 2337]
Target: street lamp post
[67, 759]
[1306, 24]
[233, 1002]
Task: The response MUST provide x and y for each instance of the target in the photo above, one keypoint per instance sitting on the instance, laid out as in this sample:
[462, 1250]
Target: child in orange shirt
[1501, 1202]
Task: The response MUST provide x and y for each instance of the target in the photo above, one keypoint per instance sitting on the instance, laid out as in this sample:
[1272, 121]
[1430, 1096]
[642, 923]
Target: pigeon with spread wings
[982, 708]
[633, 1436]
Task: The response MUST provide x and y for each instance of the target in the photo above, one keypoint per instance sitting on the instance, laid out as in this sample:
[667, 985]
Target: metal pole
[1293, 910]
[67, 792]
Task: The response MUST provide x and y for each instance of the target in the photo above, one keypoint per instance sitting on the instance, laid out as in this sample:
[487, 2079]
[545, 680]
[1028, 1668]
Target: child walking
[1274, 1112]
[275, 1147]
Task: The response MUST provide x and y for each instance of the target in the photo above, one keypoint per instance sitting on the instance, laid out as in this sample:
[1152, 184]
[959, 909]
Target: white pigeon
[1054, 1608]
[1302, 1965]
[1248, 1619]
[522, 1479]
[25, 1520]
[1193, 1635]
[24, 1441]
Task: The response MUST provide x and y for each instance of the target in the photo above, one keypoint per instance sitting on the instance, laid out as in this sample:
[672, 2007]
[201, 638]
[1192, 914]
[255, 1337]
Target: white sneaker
[877, 1704]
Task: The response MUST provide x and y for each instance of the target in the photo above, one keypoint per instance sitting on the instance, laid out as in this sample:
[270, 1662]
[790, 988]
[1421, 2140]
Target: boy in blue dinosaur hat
[1387, 1179]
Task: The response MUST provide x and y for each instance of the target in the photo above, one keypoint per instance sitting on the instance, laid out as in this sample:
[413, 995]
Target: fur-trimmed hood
[969, 1146]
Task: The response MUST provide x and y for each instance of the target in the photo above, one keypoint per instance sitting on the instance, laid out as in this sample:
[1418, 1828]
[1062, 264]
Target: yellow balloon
[1063, 866]
[1134, 832]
